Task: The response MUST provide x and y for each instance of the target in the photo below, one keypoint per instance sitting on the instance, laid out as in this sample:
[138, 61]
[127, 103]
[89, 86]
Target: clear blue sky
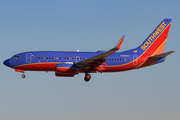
[151, 93]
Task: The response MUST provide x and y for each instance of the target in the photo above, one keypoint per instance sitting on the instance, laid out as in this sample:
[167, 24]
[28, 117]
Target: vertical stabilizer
[155, 42]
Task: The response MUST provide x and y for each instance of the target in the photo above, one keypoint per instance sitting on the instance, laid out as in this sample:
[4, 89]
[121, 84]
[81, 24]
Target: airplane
[68, 64]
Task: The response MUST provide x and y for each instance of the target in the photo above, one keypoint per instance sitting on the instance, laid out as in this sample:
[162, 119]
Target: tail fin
[155, 42]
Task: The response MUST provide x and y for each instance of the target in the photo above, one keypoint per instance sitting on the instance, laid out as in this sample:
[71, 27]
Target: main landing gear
[87, 77]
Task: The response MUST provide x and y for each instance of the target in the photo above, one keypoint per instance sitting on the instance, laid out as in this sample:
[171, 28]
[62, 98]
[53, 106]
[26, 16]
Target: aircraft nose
[6, 62]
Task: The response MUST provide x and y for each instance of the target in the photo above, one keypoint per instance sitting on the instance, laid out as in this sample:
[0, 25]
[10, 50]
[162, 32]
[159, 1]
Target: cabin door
[135, 60]
[28, 57]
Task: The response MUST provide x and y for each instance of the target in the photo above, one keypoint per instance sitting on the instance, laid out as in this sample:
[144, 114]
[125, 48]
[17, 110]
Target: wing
[96, 61]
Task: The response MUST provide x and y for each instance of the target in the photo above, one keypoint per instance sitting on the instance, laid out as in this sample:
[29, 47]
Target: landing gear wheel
[87, 77]
[23, 76]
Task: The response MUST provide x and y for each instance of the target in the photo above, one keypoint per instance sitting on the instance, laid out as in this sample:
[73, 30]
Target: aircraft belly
[37, 67]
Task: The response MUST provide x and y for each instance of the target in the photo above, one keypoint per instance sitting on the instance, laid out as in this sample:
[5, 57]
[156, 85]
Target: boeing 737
[68, 64]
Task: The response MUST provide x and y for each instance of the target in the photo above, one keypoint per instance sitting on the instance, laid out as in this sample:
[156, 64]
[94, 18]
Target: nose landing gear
[23, 76]
[87, 77]
[22, 71]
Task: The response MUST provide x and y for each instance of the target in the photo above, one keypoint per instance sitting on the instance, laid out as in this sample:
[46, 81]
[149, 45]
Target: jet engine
[65, 70]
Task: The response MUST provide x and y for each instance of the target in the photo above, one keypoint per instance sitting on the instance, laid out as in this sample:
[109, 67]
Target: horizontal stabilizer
[155, 59]
[161, 55]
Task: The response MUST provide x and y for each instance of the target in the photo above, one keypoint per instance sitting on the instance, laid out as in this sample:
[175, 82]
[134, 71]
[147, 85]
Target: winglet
[118, 45]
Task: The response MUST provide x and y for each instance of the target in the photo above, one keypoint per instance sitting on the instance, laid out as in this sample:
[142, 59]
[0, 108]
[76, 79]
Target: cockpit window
[15, 57]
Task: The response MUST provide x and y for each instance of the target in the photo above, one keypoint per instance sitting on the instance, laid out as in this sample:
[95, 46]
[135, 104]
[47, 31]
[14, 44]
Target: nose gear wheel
[23, 76]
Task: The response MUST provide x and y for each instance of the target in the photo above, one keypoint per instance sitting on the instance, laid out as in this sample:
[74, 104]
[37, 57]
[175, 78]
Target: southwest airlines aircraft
[68, 64]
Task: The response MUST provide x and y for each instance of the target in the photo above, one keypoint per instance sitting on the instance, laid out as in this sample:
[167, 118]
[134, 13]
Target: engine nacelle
[65, 70]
